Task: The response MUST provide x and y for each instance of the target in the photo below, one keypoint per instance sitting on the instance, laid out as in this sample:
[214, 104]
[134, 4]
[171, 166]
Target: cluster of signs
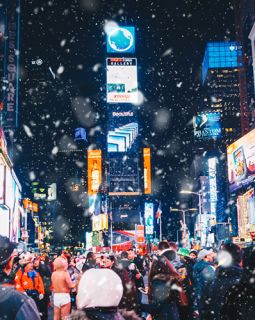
[47, 192]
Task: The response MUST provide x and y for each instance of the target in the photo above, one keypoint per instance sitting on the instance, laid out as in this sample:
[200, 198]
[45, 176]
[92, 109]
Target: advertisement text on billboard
[122, 85]
[94, 171]
[207, 125]
[147, 170]
[122, 132]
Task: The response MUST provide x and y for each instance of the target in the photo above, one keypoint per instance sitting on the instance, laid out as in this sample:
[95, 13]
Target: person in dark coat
[90, 261]
[238, 302]
[227, 274]
[13, 304]
[164, 290]
[203, 274]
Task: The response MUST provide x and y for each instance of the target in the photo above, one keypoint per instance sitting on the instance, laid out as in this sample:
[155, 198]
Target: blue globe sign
[121, 40]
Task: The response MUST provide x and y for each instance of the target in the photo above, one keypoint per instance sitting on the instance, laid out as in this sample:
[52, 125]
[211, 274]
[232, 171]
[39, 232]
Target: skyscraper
[220, 78]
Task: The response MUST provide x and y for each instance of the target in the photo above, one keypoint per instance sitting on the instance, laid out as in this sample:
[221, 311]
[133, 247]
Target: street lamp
[184, 235]
[199, 194]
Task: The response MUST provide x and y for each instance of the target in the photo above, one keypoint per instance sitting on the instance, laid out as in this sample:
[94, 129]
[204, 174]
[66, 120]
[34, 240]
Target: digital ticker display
[122, 132]
[122, 85]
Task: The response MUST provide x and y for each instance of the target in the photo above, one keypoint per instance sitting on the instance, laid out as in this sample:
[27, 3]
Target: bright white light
[109, 25]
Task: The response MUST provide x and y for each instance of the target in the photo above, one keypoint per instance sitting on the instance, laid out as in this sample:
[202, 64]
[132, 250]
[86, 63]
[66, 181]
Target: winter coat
[214, 293]
[121, 314]
[203, 274]
[16, 305]
[45, 273]
[24, 283]
[129, 298]
[164, 290]
[239, 302]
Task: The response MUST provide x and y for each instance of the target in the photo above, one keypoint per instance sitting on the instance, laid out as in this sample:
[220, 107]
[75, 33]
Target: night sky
[68, 35]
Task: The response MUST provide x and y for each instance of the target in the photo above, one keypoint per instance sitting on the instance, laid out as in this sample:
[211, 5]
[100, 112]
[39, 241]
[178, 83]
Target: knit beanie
[99, 288]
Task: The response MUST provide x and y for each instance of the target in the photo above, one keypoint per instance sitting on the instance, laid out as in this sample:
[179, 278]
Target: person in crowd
[90, 261]
[13, 304]
[42, 266]
[238, 302]
[29, 281]
[99, 294]
[193, 255]
[227, 274]
[165, 291]
[137, 260]
[203, 274]
[75, 275]
[62, 284]
[129, 299]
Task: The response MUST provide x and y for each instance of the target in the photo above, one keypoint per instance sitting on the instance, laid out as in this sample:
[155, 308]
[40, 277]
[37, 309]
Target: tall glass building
[220, 78]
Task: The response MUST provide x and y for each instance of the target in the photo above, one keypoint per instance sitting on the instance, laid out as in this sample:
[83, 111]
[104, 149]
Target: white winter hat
[99, 288]
[203, 253]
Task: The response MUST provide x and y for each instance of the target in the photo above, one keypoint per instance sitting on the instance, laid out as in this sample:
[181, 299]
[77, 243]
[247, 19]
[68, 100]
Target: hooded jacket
[203, 274]
[224, 279]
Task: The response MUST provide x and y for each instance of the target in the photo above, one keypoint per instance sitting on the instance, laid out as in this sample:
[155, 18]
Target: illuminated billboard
[94, 171]
[147, 170]
[44, 192]
[246, 214]
[120, 40]
[241, 161]
[125, 212]
[213, 188]
[122, 85]
[124, 175]
[149, 218]
[122, 132]
[207, 125]
[2, 187]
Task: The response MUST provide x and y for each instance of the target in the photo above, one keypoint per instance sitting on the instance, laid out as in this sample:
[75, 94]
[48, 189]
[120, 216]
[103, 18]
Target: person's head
[99, 288]
[26, 260]
[7, 254]
[60, 264]
[169, 254]
[234, 251]
[90, 256]
[173, 246]
[206, 255]
[163, 245]
[36, 262]
[193, 254]
[183, 253]
[131, 254]
[107, 261]
[124, 255]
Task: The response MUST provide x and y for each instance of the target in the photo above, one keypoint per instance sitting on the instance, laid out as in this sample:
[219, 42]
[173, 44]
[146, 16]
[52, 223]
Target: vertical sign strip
[10, 120]
[94, 171]
[147, 170]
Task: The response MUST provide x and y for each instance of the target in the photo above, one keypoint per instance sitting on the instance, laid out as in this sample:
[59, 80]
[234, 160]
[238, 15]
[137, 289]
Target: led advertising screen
[94, 171]
[122, 85]
[207, 126]
[125, 212]
[149, 218]
[147, 170]
[123, 175]
[120, 40]
[246, 214]
[122, 132]
[241, 161]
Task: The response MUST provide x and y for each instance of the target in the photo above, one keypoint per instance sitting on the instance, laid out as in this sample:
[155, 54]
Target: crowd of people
[169, 284]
